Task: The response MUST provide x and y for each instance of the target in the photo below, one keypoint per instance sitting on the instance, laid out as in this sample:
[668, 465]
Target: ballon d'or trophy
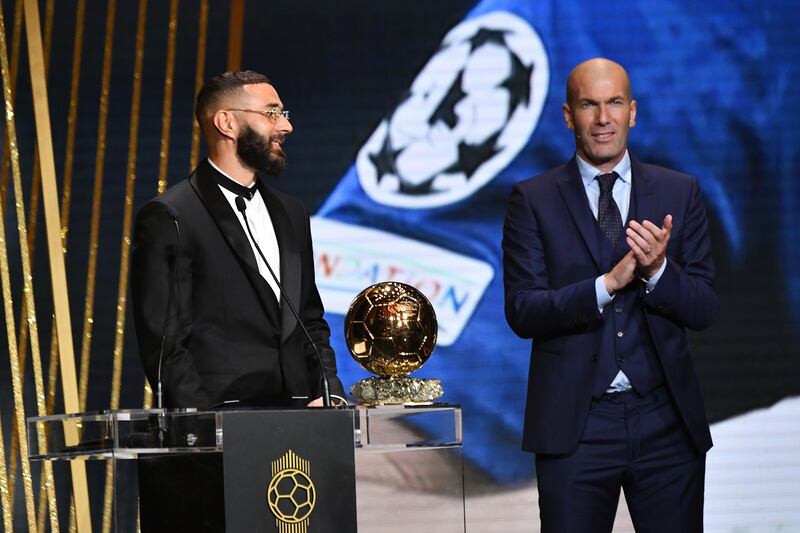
[390, 331]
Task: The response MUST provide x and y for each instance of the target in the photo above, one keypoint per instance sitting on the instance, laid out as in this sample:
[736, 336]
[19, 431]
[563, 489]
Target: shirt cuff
[650, 284]
[603, 298]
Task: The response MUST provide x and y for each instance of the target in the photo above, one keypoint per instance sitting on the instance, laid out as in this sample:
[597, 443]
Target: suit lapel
[290, 257]
[207, 189]
[573, 192]
[644, 195]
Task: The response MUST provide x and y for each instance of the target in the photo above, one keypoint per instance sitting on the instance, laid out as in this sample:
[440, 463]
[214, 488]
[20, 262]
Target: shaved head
[600, 111]
[598, 67]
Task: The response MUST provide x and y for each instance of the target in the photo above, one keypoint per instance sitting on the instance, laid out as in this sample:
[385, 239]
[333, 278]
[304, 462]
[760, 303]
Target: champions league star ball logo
[468, 113]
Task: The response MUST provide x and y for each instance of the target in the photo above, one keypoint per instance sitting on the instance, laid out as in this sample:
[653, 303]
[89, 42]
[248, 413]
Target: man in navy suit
[607, 262]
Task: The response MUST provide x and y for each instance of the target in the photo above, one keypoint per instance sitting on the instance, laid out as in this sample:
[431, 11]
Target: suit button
[620, 334]
[660, 307]
[618, 309]
[621, 359]
[595, 357]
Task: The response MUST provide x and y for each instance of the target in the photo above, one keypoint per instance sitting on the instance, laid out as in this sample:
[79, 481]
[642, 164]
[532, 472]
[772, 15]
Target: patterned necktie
[607, 212]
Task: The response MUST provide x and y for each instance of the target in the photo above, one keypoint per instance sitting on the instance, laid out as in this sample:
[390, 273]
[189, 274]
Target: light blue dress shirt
[622, 196]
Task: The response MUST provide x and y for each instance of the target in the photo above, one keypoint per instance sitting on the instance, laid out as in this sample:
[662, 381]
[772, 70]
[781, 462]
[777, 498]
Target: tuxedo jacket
[551, 258]
[227, 337]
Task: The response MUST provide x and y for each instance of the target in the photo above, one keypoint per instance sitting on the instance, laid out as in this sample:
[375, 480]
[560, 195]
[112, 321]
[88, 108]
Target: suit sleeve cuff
[603, 298]
[650, 284]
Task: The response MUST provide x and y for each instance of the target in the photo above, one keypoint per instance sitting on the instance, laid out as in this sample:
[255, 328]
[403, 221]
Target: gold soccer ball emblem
[291, 496]
[390, 329]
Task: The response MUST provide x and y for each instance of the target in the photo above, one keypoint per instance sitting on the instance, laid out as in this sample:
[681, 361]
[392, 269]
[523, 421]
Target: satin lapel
[644, 193]
[573, 192]
[290, 257]
[222, 213]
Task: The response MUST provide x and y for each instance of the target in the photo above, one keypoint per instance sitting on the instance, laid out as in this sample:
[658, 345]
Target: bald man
[231, 338]
[607, 263]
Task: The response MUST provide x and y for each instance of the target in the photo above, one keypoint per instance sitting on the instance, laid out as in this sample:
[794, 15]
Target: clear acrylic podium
[408, 459]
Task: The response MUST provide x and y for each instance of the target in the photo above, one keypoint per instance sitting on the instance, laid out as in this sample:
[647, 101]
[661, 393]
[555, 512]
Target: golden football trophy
[390, 331]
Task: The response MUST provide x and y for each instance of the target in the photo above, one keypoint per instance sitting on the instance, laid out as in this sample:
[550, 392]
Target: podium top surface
[129, 433]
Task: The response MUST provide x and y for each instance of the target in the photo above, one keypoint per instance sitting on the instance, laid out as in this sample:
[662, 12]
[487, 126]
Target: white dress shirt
[622, 196]
[263, 231]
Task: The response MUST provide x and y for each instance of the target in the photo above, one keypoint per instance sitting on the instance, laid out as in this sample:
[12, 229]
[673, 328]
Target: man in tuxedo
[203, 294]
[230, 335]
[607, 262]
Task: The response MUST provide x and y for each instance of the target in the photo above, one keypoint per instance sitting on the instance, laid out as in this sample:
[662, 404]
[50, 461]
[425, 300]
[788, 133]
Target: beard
[257, 152]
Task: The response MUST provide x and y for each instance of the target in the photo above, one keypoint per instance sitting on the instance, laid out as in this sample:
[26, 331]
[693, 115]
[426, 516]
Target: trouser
[631, 442]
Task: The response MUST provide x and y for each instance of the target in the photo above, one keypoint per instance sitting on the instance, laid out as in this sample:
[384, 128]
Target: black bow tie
[236, 188]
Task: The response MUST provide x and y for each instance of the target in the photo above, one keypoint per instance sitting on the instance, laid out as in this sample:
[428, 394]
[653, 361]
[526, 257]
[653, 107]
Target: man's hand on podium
[336, 401]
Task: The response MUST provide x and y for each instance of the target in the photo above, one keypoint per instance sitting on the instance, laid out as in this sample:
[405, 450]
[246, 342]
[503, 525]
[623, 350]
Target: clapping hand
[648, 243]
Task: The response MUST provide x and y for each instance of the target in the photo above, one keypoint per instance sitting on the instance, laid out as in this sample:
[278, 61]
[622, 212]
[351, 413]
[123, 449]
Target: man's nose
[602, 115]
[285, 126]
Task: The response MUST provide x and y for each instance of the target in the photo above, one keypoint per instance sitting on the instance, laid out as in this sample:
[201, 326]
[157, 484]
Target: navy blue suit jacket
[551, 260]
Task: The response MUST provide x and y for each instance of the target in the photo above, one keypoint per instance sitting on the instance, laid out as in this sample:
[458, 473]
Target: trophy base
[401, 390]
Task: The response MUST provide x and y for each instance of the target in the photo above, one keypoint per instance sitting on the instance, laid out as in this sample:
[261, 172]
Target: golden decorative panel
[73, 82]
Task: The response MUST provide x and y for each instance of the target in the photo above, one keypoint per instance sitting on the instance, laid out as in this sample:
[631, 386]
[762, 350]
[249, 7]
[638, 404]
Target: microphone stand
[241, 205]
[162, 423]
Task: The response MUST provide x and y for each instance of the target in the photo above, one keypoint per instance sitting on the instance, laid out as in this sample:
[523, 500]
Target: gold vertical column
[235, 31]
[5, 498]
[97, 195]
[7, 475]
[16, 382]
[116, 379]
[166, 109]
[46, 485]
[22, 339]
[16, 33]
[66, 196]
[16, 378]
[166, 120]
[33, 206]
[29, 305]
[66, 192]
[57, 269]
[202, 32]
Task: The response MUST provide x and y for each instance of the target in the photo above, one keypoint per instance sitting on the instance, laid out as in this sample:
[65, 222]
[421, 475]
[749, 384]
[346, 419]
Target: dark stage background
[412, 120]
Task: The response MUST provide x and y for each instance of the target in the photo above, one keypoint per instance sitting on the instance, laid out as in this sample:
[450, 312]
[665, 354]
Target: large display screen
[412, 121]
[422, 201]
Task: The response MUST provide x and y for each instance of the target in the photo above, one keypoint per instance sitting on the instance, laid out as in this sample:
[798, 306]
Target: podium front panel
[289, 471]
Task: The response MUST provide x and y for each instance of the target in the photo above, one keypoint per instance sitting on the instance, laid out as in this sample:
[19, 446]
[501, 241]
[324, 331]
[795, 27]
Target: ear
[226, 124]
[567, 116]
[632, 121]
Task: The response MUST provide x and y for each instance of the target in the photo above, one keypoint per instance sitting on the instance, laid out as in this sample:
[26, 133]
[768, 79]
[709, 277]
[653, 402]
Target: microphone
[241, 206]
[173, 214]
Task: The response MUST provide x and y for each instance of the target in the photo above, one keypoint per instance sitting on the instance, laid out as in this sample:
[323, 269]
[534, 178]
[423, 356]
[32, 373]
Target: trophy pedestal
[398, 390]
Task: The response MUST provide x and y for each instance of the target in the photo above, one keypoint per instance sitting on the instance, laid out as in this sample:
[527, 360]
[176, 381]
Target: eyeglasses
[273, 113]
